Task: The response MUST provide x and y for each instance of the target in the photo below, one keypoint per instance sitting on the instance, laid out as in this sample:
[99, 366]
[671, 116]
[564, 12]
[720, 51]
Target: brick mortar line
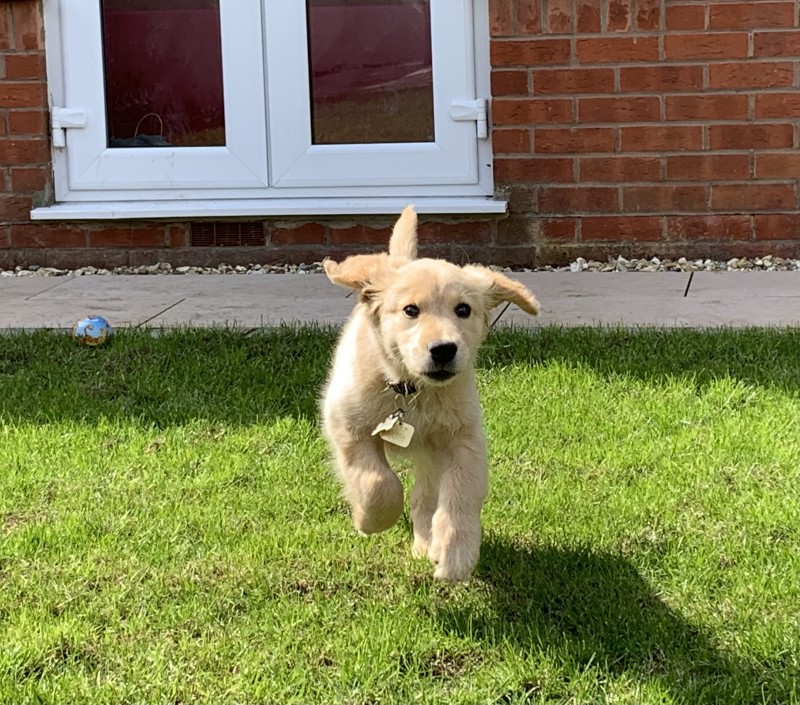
[673, 62]
[646, 155]
[731, 2]
[677, 122]
[702, 122]
[625, 95]
[641, 155]
[663, 184]
[642, 34]
[604, 7]
[619, 214]
[574, 10]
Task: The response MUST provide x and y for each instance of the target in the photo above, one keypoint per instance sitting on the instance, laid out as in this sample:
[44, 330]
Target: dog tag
[396, 417]
[399, 434]
[393, 430]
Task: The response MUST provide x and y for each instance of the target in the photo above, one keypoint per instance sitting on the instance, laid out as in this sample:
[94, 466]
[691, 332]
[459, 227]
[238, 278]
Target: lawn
[170, 530]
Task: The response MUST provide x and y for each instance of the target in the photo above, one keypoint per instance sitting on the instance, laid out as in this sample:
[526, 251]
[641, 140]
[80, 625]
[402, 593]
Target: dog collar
[403, 388]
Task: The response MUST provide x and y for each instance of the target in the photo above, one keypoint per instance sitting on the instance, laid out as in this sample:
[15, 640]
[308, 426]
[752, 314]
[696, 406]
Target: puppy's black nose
[442, 353]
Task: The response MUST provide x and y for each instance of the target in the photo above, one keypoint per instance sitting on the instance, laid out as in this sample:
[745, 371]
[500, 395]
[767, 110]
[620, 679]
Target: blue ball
[94, 330]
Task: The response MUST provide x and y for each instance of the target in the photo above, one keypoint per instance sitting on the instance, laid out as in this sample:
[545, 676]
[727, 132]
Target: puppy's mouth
[440, 375]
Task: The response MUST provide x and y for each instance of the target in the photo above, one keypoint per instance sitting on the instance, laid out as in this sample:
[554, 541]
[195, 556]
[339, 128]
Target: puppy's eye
[411, 311]
[463, 310]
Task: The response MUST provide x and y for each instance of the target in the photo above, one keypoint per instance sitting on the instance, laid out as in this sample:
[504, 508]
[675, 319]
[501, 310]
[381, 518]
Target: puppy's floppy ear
[403, 242]
[501, 288]
[360, 273]
[356, 272]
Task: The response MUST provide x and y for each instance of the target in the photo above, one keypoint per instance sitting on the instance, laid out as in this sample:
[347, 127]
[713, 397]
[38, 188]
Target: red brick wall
[667, 123]
[650, 127]
[24, 147]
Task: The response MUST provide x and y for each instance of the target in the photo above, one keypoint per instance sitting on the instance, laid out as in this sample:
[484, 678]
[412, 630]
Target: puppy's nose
[442, 353]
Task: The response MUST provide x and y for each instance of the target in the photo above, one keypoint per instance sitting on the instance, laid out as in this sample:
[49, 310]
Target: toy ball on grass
[94, 330]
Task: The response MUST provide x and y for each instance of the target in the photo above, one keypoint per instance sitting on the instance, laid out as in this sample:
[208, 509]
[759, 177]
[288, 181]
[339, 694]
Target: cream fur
[382, 344]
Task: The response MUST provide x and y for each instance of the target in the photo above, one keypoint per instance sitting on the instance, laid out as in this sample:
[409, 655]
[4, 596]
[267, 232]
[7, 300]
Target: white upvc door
[451, 158]
[272, 149]
[185, 172]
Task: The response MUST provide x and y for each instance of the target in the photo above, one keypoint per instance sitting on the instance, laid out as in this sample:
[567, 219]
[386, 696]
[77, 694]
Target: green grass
[170, 530]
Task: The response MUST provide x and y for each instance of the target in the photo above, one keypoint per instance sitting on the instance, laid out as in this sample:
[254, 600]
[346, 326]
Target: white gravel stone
[767, 263]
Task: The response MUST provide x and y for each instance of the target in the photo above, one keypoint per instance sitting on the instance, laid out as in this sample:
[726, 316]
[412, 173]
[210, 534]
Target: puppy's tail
[403, 242]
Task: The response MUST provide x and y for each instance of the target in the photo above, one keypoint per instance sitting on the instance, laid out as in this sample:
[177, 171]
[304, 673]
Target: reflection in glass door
[370, 71]
[163, 73]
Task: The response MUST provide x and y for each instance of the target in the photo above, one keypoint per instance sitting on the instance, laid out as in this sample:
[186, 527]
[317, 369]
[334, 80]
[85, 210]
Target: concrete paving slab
[589, 298]
[291, 285]
[123, 304]
[740, 299]
[630, 299]
[171, 286]
[753, 284]
[252, 301]
[246, 301]
[53, 313]
[22, 288]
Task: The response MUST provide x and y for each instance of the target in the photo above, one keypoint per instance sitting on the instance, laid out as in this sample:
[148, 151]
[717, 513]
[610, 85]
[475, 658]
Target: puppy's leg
[374, 491]
[424, 498]
[456, 524]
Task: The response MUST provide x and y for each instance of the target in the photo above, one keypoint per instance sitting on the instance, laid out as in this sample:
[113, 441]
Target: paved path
[704, 299]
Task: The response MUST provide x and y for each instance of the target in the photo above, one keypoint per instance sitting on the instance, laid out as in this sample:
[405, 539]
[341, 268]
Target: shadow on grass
[227, 376]
[213, 374]
[586, 608]
[766, 357]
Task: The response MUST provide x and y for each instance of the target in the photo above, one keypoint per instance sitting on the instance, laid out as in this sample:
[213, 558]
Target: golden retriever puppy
[403, 380]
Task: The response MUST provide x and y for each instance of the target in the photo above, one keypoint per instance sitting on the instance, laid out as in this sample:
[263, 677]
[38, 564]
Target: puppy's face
[431, 316]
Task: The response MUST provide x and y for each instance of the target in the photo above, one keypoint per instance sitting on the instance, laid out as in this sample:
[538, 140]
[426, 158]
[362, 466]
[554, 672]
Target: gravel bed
[620, 264]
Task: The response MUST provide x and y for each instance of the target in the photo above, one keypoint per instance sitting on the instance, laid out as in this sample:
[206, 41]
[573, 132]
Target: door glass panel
[163, 73]
[371, 77]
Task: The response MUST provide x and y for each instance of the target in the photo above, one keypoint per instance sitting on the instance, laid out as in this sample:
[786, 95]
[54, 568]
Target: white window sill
[255, 208]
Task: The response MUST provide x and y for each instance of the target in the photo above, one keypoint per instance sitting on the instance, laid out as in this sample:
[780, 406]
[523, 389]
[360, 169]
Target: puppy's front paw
[455, 570]
[456, 560]
[455, 545]
[378, 503]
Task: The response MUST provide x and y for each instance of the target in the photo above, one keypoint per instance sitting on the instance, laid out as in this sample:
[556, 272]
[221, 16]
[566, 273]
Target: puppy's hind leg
[373, 489]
